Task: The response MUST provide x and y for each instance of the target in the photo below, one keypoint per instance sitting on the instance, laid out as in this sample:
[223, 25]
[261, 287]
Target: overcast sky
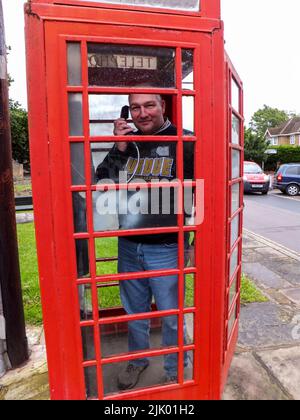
[262, 39]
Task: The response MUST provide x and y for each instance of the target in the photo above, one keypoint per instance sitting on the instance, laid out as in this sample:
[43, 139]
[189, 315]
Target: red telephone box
[83, 60]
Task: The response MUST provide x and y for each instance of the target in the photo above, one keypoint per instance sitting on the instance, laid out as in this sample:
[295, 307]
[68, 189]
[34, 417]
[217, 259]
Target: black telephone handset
[125, 112]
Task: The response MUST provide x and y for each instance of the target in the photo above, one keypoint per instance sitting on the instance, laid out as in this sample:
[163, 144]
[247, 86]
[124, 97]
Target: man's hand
[121, 128]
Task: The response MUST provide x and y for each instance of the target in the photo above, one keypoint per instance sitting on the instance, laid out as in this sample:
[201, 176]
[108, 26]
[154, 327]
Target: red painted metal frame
[208, 8]
[233, 309]
[52, 190]
[138, 19]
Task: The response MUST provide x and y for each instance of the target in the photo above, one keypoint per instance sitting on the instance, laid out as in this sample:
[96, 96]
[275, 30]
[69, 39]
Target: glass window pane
[189, 369]
[235, 164]
[99, 151]
[235, 96]
[106, 108]
[79, 212]
[82, 256]
[189, 160]
[235, 133]
[189, 325]
[189, 290]
[114, 337]
[153, 375]
[91, 386]
[189, 5]
[109, 296]
[234, 261]
[131, 66]
[85, 302]
[138, 207]
[106, 255]
[235, 228]
[74, 63]
[189, 253]
[188, 69]
[232, 292]
[235, 198]
[77, 164]
[189, 206]
[88, 345]
[75, 114]
[231, 322]
[101, 129]
[188, 115]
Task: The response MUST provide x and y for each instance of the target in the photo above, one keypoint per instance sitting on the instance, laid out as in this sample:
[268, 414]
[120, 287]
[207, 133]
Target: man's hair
[158, 96]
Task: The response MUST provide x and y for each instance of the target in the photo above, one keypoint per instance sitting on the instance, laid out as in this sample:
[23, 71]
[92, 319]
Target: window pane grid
[90, 234]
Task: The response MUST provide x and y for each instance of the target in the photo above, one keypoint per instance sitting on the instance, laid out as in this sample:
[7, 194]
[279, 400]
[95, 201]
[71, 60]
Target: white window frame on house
[292, 140]
[274, 141]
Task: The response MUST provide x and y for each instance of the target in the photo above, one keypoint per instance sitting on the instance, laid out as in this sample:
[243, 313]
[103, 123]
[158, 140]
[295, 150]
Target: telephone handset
[125, 115]
[125, 112]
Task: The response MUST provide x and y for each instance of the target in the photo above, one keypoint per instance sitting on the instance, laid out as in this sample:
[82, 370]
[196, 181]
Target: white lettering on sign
[122, 61]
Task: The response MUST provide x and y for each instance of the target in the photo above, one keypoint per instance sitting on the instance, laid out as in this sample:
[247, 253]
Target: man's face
[147, 112]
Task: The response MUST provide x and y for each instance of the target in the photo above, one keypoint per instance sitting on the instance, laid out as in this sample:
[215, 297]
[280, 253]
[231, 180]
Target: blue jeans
[136, 296]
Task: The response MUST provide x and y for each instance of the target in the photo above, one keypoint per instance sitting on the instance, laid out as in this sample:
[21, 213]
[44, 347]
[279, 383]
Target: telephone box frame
[48, 25]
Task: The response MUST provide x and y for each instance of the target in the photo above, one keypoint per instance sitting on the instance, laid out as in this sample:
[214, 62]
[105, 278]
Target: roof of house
[289, 127]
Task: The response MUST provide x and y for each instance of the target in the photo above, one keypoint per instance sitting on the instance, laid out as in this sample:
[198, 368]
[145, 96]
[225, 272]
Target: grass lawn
[29, 273]
[108, 296]
[22, 188]
[249, 293]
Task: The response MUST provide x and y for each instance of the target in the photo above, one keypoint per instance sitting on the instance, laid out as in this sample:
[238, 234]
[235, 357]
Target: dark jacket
[157, 162]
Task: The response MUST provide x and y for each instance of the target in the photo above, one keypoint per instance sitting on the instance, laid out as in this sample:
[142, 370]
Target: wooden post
[9, 259]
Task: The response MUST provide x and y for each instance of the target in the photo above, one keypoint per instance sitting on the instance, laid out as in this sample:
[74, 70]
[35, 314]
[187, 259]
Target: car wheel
[265, 192]
[292, 190]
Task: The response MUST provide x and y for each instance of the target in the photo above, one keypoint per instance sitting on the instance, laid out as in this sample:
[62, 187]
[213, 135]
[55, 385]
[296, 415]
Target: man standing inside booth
[148, 252]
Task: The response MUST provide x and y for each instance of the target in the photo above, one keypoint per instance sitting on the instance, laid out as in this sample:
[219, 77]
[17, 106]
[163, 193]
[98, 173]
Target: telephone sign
[123, 62]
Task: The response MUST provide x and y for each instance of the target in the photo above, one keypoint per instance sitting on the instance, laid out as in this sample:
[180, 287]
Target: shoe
[171, 379]
[130, 376]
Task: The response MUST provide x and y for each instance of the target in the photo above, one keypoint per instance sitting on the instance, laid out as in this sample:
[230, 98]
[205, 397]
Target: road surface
[274, 216]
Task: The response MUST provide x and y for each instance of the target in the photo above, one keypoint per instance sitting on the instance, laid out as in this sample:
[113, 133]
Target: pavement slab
[249, 380]
[293, 295]
[266, 324]
[267, 278]
[288, 270]
[249, 243]
[270, 253]
[284, 364]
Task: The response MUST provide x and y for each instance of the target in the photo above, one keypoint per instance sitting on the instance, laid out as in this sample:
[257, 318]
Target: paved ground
[266, 365]
[267, 362]
[24, 217]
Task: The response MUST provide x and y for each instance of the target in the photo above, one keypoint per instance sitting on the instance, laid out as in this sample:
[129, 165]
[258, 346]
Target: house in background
[286, 134]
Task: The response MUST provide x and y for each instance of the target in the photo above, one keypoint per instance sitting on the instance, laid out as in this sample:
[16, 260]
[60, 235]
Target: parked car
[255, 180]
[287, 179]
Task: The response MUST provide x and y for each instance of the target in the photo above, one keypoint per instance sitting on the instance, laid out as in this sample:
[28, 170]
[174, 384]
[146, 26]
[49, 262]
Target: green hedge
[285, 154]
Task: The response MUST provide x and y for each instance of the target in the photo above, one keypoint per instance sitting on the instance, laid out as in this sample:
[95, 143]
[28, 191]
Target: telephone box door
[90, 71]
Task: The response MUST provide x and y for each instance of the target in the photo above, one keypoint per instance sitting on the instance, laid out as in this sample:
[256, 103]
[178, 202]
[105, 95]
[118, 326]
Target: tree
[268, 117]
[255, 146]
[9, 80]
[19, 128]
[19, 132]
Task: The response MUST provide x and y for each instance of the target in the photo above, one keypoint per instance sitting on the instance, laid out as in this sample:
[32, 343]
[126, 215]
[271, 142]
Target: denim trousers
[137, 295]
